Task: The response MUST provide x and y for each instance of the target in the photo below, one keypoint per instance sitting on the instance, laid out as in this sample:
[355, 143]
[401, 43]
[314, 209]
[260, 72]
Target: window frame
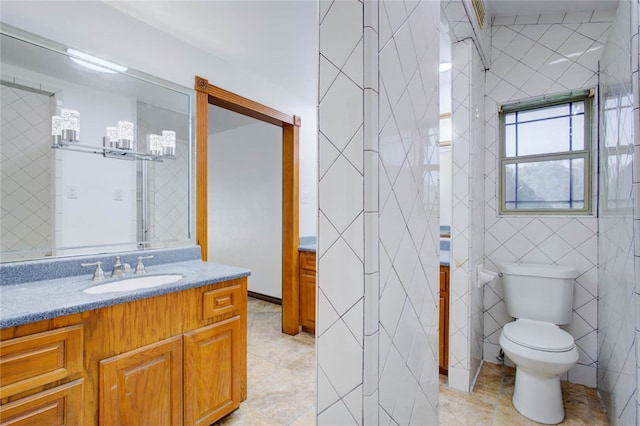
[543, 102]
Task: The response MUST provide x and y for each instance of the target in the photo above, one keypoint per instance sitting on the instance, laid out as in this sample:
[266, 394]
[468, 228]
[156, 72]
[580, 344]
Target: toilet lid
[538, 335]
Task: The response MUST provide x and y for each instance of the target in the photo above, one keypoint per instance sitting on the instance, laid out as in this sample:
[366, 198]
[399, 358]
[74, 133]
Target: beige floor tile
[282, 376]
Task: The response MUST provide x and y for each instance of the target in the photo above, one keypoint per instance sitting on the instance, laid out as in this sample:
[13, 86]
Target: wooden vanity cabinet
[307, 286]
[173, 359]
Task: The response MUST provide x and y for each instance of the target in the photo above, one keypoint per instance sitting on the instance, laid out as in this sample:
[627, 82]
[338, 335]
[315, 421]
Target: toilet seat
[538, 335]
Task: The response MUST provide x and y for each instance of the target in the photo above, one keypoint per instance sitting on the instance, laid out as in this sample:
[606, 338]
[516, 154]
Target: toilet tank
[538, 292]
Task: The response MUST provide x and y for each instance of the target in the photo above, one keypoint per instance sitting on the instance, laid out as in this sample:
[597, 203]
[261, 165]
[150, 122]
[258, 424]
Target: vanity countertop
[39, 300]
[445, 251]
[308, 244]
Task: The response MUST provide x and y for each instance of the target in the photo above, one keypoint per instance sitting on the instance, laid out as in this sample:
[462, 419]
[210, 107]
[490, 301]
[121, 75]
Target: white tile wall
[340, 319]
[26, 179]
[618, 282]
[377, 319]
[467, 232]
[554, 55]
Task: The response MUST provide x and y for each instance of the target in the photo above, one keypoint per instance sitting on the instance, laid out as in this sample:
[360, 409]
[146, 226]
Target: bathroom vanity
[169, 355]
[172, 353]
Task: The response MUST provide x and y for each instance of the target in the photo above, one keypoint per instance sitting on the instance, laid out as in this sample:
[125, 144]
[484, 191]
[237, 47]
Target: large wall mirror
[62, 198]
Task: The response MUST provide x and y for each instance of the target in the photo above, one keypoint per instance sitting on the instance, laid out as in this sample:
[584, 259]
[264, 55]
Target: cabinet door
[143, 386]
[308, 301]
[58, 406]
[212, 365]
[444, 319]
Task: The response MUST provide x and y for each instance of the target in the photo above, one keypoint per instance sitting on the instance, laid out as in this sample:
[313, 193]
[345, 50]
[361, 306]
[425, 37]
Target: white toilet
[539, 297]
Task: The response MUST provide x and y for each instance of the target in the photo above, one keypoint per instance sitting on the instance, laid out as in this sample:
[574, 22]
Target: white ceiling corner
[276, 39]
[534, 7]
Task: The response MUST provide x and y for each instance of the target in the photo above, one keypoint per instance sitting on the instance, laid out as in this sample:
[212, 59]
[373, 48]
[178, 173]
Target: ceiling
[278, 39]
[530, 7]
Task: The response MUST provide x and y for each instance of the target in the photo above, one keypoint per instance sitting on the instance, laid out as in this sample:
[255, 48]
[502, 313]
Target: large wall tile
[617, 279]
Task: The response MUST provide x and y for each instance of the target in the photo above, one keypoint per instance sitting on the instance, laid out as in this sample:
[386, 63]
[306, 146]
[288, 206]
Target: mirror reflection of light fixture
[70, 125]
[56, 129]
[65, 127]
[168, 143]
[125, 135]
[154, 144]
[111, 138]
[94, 63]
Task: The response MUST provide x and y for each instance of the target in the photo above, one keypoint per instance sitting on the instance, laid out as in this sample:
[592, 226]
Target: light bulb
[154, 144]
[125, 135]
[168, 142]
[70, 125]
[56, 129]
[111, 139]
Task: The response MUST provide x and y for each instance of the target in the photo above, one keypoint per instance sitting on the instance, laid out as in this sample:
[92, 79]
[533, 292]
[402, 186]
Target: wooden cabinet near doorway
[308, 291]
[443, 361]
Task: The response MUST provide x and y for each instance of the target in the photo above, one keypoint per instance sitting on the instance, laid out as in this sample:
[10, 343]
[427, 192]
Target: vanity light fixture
[445, 66]
[168, 143]
[125, 135]
[118, 142]
[56, 130]
[154, 144]
[94, 63]
[111, 139]
[70, 125]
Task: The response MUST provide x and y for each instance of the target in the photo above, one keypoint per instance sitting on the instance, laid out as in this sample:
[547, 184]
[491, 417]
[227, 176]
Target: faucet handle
[98, 275]
[140, 266]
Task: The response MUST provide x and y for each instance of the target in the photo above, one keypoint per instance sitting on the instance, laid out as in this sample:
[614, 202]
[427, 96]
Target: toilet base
[538, 398]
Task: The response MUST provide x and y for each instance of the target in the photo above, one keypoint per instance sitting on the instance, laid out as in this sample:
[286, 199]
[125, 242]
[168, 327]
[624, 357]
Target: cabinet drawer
[31, 361]
[308, 260]
[221, 301]
[58, 406]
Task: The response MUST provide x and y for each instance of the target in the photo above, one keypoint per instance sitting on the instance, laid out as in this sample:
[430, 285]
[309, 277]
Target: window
[545, 155]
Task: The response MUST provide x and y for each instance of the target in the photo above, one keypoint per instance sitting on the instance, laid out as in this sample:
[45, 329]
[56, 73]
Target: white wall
[534, 56]
[446, 176]
[99, 29]
[245, 202]
[378, 280]
[617, 280]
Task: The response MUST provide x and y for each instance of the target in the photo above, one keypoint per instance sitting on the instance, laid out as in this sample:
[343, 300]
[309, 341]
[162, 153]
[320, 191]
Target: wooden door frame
[209, 94]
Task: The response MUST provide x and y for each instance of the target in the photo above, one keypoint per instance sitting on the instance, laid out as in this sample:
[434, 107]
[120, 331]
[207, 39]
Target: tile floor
[281, 373]
[490, 402]
[281, 385]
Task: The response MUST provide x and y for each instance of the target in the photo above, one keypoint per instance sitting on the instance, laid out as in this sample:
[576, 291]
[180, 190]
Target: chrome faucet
[140, 266]
[98, 275]
[119, 268]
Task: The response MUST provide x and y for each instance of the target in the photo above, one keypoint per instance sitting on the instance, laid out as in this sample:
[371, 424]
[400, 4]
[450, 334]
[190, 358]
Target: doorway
[245, 198]
[207, 94]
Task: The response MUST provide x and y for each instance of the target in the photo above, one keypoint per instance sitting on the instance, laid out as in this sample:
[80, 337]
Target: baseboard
[265, 297]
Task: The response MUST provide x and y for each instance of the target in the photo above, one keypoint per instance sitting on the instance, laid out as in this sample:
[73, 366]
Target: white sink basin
[136, 283]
